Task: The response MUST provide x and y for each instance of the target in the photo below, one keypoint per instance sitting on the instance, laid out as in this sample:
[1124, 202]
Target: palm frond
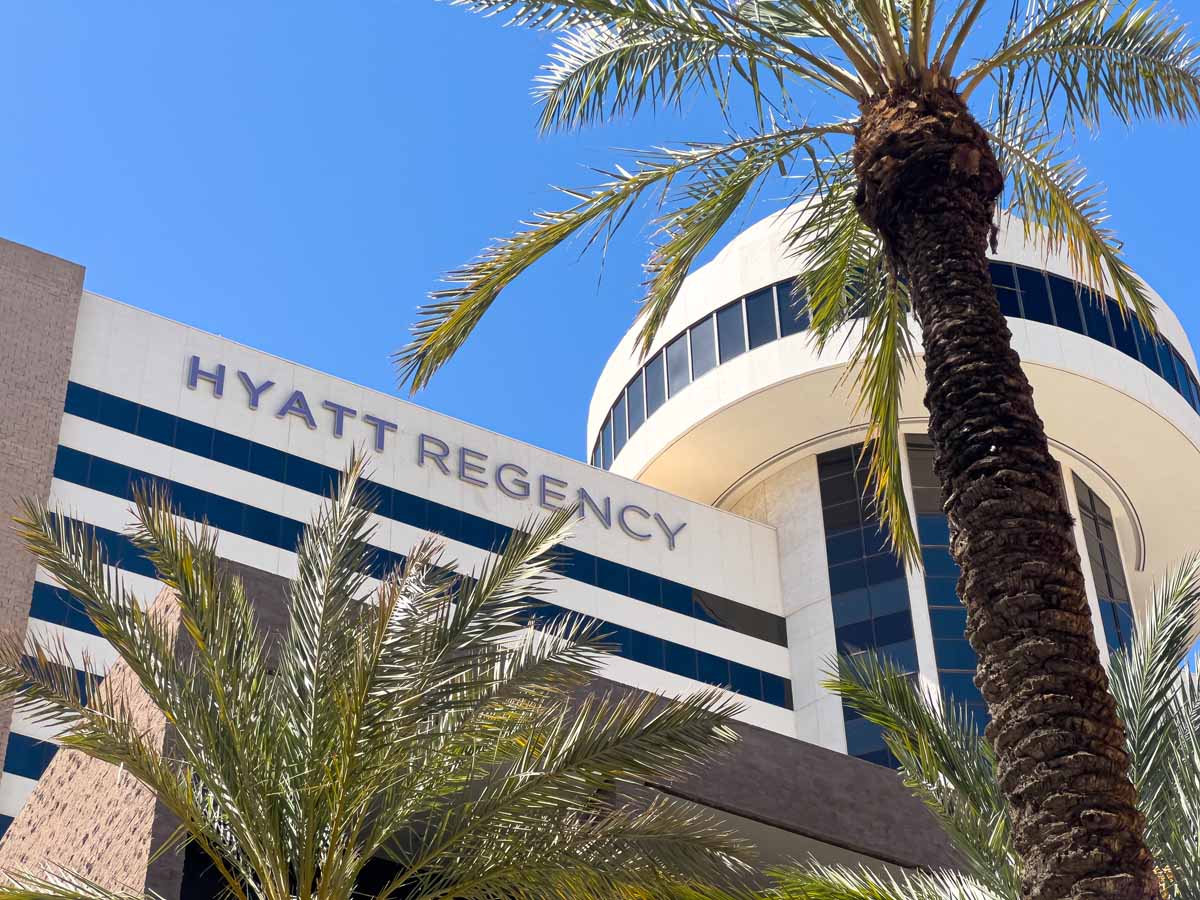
[822, 882]
[1137, 62]
[1049, 193]
[713, 193]
[446, 323]
[943, 759]
[846, 279]
[1146, 678]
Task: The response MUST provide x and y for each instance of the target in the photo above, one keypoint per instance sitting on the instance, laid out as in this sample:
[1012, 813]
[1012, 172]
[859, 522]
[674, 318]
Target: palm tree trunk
[928, 183]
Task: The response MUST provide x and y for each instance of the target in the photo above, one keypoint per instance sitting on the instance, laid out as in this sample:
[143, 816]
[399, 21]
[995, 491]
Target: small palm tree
[421, 719]
[895, 207]
[954, 771]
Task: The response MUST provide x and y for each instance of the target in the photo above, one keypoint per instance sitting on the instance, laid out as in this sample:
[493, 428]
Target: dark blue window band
[28, 757]
[400, 506]
[644, 648]
[1023, 293]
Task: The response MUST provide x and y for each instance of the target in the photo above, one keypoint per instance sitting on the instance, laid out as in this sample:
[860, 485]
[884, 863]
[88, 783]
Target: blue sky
[296, 176]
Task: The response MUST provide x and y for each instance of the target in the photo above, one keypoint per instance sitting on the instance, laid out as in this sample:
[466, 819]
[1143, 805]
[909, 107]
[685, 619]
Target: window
[760, 317]
[620, 434]
[1005, 283]
[1122, 329]
[1146, 351]
[793, 312]
[731, 331]
[1094, 317]
[868, 588]
[1166, 359]
[1104, 560]
[704, 347]
[636, 403]
[678, 373]
[1035, 299]
[656, 384]
[1066, 304]
[606, 442]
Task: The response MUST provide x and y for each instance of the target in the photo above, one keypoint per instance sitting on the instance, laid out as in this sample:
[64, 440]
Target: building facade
[723, 534]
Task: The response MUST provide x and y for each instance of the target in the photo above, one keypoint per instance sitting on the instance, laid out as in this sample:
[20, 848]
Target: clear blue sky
[296, 176]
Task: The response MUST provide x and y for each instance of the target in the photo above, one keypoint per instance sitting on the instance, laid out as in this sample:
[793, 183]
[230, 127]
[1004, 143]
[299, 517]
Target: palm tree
[421, 719]
[896, 203]
[955, 772]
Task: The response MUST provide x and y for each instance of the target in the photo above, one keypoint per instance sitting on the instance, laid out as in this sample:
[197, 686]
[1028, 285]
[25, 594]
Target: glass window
[760, 317]
[678, 374]
[1181, 377]
[1145, 344]
[731, 332]
[1035, 299]
[620, 434]
[1094, 317]
[1005, 283]
[1066, 304]
[656, 385]
[156, 426]
[1166, 359]
[793, 312]
[636, 403]
[1122, 328]
[704, 346]
[606, 443]
[596, 455]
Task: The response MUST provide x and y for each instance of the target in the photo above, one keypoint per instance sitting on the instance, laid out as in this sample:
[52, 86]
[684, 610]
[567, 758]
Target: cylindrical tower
[735, 408]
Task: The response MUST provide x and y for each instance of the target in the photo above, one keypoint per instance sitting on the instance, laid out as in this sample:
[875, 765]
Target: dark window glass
[1005, 283]
[1034, 297]
[231, 450]
[678, 376]
[1181, 377]
[745, 680]
[108, 477]
[712, 669]
[28, 757]
[731, 333]
[606, 442]
[261, 525]
[776, 691]
[1104, 559]
[679, 659]
[156, 426]
[1122, 328]
[305, 474]
[704, 346]
[893, 628]
[118, 412]
[1146, 351]
[760, 317]
[656, 384]
[1094, 317]
[636, 403]
[647, 649]
[82, 401]
[596, 455]
[268, 462]
[948, 622]
[612, 576]
[193, 438]
[620, 435]
[954, 654]
[1066, 304]
[1166, 361]
[793, 312]
[71, 465]
[648, 588]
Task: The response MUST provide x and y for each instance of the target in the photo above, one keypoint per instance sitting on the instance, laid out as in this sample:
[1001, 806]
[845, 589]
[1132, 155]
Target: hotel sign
[462, 463]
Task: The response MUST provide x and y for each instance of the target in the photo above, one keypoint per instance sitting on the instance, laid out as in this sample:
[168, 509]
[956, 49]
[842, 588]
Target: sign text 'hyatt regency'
[467, 465]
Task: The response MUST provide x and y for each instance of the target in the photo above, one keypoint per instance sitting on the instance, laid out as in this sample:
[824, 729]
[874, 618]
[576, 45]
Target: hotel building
[723, 535]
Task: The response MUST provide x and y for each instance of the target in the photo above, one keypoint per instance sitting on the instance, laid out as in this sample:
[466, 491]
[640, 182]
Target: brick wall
[39, 306]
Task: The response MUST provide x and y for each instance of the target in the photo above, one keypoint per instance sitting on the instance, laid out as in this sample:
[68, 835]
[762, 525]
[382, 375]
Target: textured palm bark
[928, 183]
